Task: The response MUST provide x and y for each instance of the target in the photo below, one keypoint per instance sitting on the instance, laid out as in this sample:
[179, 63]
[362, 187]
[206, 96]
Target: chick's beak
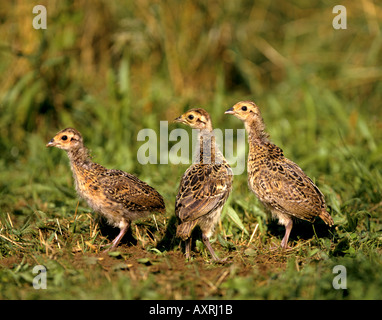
[230, 111]
[51, 143]
[179, 119]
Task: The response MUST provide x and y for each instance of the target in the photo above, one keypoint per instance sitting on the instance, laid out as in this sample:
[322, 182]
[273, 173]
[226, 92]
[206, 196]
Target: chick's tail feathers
[325, 216]
[184, 229]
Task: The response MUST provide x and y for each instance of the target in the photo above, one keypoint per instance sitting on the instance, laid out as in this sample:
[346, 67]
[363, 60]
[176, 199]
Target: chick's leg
[124, 226]
[288, 228]
[207, 243]
[188, 248]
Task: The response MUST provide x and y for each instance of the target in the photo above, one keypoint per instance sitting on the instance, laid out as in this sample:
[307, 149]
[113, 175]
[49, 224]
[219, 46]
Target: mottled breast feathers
[203, 189]
[282, 185]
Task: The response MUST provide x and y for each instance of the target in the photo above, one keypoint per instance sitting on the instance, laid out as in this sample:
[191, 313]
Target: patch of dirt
[171, 267]
[171, 274]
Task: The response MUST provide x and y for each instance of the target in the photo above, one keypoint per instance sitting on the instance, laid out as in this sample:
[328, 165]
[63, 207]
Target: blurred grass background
[112, 68]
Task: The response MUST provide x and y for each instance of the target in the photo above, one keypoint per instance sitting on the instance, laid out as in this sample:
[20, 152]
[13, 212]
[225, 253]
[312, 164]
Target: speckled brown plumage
[205, 186]
[117, 195]
[279, 183]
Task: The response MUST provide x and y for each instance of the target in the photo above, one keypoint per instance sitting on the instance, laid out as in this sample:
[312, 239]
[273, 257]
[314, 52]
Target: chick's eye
[64, 138]
[244, 108]
[190, 117]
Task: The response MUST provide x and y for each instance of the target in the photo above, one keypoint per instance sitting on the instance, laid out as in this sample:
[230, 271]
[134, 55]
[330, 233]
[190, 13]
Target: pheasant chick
[205, 186]
[279, 183]
[119, 196]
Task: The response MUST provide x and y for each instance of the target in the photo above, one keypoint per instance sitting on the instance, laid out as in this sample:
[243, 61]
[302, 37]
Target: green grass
[319, 92]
